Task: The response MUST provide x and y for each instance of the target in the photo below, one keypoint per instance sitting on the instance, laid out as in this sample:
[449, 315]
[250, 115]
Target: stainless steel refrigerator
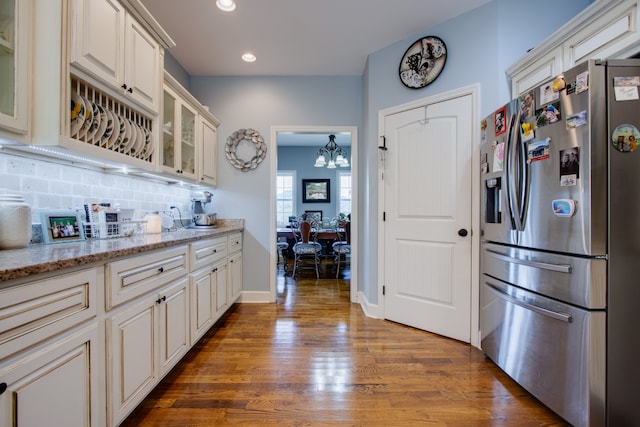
[560, 200]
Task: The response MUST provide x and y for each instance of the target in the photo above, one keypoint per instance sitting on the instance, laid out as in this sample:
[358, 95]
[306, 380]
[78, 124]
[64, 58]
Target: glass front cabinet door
[14, 68]
[178, 136]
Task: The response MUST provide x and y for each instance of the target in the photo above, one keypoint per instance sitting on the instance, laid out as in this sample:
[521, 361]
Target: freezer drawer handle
[545, 312]
[562, 268]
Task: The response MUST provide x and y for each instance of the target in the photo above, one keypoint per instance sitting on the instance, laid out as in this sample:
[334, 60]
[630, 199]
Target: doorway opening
[308, 139]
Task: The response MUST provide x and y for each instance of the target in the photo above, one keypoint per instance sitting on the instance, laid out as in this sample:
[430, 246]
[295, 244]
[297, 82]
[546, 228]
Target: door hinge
[383, 289]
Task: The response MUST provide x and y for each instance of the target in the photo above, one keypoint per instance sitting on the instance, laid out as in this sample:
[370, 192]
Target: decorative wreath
[232, 147]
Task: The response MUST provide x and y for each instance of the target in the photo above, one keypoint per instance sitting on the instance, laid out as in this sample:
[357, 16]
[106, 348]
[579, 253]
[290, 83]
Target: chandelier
[337, 156]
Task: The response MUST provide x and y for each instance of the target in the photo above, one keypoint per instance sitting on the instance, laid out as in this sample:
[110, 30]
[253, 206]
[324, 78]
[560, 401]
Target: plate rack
[109, 124]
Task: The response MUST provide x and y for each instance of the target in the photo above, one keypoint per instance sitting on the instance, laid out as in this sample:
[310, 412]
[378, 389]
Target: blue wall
[301, 160]
[259, 103]
[481, 45]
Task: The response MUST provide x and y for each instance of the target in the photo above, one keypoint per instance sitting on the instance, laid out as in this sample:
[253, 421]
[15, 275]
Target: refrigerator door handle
[517, 172]
[523, 193]
[508, 161]
[563, 317]
[561, 268]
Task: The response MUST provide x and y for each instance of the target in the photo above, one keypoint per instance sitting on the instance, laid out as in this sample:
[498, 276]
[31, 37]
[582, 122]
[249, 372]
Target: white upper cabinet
[97, 69]
[15, 39]
[208, 156]
[604, 30]
[189, 136]
[111, 45]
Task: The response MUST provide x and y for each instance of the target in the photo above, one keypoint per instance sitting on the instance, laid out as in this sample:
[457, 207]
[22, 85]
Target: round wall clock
[423, 62]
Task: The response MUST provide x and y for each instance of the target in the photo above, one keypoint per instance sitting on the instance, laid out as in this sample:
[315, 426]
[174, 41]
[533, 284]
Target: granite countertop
[40, 258]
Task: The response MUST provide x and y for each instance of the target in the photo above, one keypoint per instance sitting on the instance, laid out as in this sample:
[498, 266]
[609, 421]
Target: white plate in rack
[121, 131]
[116, 130]
[148, 141]
[108, 128]
[140, 141]
[131, 136]
[77, 113]
[96, 124]
[88, 118]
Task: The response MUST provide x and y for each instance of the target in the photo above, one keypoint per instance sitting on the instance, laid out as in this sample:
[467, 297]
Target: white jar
[153, 224]
[15, 222]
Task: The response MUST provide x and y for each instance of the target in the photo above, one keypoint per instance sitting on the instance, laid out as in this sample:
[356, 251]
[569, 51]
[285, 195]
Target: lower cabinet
[85, 347]
[146, 339]
[235, 276]
[55, 384]
[235, 266]
[207, 301]
[220, 285]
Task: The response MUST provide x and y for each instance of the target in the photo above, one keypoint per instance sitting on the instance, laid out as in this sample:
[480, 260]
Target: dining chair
[306, 250]
[342, 247]
[282, 247]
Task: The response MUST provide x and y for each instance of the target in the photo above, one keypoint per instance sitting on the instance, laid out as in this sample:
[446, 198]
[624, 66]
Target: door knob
[462, 232]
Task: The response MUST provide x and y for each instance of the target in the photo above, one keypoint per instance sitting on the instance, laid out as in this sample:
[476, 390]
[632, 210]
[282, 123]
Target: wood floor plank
[314, 359]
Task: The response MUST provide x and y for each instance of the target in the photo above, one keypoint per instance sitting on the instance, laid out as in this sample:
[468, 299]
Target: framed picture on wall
[316, 190]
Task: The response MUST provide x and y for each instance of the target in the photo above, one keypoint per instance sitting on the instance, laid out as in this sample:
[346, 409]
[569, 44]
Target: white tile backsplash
[51, 186]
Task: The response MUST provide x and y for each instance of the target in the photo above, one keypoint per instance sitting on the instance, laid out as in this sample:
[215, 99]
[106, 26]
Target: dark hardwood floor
[314, 359]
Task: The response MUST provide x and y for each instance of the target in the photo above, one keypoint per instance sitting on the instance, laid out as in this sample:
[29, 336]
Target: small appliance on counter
[201, 217]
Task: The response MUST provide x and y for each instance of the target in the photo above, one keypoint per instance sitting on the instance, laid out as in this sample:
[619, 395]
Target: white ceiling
[294, 37]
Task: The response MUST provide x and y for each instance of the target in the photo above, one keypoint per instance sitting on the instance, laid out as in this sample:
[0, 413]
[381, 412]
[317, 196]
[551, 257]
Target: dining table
[325, 237]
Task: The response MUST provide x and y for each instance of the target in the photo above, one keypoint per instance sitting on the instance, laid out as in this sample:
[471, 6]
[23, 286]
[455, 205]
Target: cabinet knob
[3, 387]
[214, 270]
[159, 300]
[215, 250]
[161, 269]
[124, 86]
[130, 90]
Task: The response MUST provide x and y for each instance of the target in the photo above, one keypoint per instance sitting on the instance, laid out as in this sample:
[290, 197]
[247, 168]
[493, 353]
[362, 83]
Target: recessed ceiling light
[248, 57]
[226, 5]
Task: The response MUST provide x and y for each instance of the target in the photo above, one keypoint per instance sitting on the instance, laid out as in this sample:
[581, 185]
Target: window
[285, 197]
[344, 193]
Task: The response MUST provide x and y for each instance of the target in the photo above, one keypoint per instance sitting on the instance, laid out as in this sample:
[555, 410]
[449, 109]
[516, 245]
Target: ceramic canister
[15, 222]
[153, 224]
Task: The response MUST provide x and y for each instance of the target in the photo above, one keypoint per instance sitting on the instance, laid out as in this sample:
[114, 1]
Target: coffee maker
[199, 213]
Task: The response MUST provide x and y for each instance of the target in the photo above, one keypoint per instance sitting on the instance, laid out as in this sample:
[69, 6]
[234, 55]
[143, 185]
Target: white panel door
[427, 202]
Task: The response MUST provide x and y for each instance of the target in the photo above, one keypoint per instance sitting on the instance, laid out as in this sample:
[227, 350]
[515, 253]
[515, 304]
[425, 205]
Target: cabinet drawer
[37, 310]
[235, 242]
[132, 277]
[205, 252]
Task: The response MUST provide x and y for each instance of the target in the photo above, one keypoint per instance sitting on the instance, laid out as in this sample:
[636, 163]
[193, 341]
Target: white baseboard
[370, 310]
[255, 297]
